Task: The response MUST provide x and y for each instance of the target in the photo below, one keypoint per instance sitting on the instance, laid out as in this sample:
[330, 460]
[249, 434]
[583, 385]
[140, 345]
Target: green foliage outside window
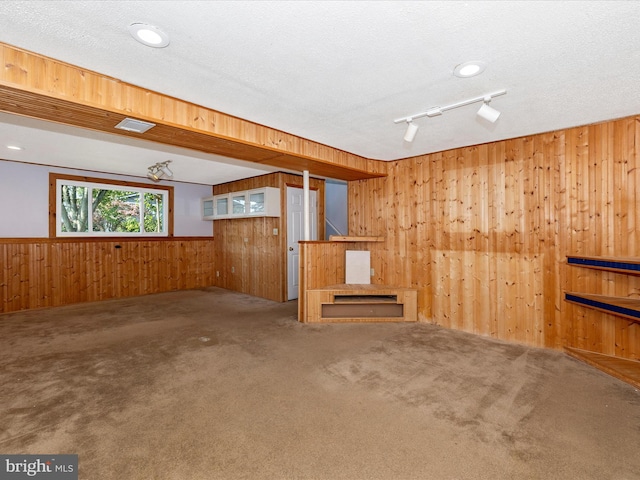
[105, 210]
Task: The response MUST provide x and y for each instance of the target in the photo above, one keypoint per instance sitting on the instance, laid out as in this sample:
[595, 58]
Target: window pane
[238, 204]
[222, 206]
[207, 208]
[74, 216]
[116, 211]
[256, 202]
[153, 219]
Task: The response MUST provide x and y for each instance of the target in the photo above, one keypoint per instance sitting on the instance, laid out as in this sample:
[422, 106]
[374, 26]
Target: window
[98, 207]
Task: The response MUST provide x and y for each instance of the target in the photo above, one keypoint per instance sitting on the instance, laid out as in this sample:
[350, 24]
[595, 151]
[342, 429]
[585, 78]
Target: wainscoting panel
[42, 272]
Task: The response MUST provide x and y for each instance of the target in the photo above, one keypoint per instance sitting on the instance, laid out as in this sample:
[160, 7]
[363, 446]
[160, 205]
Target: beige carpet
[209, 384]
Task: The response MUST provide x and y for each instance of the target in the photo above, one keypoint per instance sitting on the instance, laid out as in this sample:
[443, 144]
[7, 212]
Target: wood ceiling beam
[39, 87]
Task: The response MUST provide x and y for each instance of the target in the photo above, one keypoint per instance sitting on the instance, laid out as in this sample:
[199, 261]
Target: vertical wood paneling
[258, 266]
[36, 273]
[493, 224]
[605, 224]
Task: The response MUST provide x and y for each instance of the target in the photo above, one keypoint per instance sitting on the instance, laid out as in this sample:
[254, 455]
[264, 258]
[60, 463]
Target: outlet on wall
[233, 269]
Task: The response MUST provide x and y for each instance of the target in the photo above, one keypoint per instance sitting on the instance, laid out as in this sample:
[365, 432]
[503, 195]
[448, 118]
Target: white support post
[306, 208]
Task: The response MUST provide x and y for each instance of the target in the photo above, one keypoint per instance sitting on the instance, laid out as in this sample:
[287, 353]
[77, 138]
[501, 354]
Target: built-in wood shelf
[628, 265]
[628, 308]
[623, 369]
[622, 306]
[346, 238]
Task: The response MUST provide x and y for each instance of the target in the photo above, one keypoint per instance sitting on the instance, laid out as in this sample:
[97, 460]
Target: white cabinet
[259, 202]
[207, 208]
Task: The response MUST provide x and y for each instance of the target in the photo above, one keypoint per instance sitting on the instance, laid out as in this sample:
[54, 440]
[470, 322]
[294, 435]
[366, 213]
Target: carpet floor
[210, 384]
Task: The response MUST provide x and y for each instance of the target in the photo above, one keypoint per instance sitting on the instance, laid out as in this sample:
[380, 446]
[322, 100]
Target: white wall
[24, 201]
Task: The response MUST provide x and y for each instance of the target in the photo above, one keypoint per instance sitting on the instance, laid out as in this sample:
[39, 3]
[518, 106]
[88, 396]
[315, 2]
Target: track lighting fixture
[412, 129]
[486, 112]
[166, 170]
[159, 171]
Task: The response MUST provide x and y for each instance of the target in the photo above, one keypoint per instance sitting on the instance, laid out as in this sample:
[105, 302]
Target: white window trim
[112, 186]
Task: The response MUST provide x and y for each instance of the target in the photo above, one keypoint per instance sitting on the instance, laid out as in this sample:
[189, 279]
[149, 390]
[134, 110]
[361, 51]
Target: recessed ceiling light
[469, 69]
[14, 147]
[149, 35]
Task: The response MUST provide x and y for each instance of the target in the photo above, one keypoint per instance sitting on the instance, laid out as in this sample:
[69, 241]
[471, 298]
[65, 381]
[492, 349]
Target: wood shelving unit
[628, 308]
[626, 370]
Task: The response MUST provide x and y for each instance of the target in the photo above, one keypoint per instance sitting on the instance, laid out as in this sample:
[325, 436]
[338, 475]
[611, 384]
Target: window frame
[54, 204]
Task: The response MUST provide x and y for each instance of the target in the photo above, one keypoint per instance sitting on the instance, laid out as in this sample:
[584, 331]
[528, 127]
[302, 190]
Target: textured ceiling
[339, 73]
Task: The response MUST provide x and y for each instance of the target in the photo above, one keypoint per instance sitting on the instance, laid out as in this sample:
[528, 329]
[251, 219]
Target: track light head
[159, 171]
[412, 129]
[166, 170]
[488, 113]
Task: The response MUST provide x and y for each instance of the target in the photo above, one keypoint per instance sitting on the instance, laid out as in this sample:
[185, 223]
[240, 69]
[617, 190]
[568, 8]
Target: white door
[295, 232]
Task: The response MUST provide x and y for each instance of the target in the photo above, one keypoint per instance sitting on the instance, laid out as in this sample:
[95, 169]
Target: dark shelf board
[628, 308]
[628, 265]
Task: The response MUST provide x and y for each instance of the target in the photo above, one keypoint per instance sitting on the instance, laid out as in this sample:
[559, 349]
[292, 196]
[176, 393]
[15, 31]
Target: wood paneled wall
[258, 266]
[41, 272]
[253, 266]
[483, 233]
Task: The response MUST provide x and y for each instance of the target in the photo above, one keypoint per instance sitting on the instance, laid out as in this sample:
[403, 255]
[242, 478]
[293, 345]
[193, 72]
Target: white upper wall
[24, 201]
[336, 207]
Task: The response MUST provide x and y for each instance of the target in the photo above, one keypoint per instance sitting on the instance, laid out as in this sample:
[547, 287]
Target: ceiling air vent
[133, 125]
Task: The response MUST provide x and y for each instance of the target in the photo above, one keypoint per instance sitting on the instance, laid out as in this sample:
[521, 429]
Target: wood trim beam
[39, 87]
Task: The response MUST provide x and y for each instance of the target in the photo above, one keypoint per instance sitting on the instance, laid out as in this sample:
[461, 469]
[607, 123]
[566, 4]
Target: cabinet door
[222, 206]
[238, 202]
[256, 202]
[207, 208]
[264, 202]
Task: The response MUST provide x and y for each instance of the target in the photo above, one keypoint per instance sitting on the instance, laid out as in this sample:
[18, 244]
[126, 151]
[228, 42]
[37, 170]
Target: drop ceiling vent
[133, 125]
